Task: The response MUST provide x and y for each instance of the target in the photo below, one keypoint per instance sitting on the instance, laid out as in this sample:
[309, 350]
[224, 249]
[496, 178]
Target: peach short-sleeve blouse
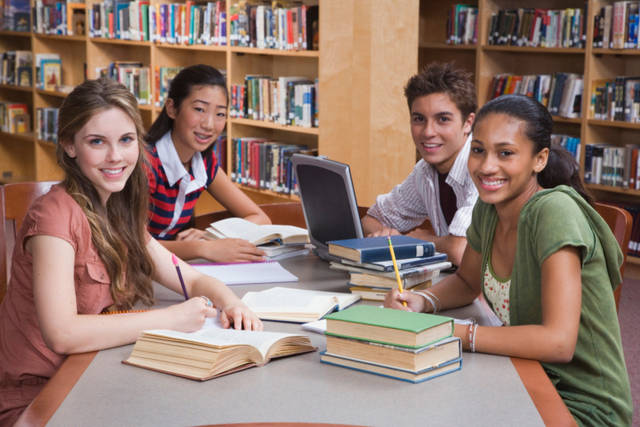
[26, 363]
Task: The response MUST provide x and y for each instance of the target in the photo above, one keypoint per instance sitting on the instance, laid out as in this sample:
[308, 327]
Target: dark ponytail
[561, 168]
[179, 89]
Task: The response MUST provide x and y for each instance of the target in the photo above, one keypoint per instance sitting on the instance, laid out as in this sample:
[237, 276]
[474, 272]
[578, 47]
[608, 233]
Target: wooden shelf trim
[119, 41]
[15, 33]
[603, 51]
[16, 87]
[525, 49]
[52, 93]
[276, 52]
[271, 125]
[614, 123]
[204, 47]
[446, 46]
[611, 189]
[561, 119]
[29, 136]
[60, 37]
[291, 197]
[631, 259]
[47, 144]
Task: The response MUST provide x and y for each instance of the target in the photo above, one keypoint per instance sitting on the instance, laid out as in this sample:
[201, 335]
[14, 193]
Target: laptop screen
[328, 200]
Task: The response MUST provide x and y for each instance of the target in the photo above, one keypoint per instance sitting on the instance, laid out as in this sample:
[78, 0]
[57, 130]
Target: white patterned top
[497, 293]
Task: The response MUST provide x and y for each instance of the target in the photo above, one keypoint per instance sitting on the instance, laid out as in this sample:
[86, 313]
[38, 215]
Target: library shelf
[527, 49]
[271, 125]
[276, 52]
[614, 124]
[606, 51]
[446, 46]
[60, 37]
[119, 41]
[15, 33]
[203, 47]
[16, 87]
[27, 136]
[55, 93]
[611, 189]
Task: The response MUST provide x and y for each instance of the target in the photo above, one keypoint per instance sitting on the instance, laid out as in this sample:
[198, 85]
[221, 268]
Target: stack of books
[368, 260]
[399, 344]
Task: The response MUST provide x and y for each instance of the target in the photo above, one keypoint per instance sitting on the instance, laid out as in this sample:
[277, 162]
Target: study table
[97, 389]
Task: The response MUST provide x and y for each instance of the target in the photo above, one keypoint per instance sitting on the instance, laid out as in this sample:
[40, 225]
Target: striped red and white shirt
[173, 190]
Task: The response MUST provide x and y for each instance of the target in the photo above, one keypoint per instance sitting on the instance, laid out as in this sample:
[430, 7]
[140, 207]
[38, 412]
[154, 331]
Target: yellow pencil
[395, 267]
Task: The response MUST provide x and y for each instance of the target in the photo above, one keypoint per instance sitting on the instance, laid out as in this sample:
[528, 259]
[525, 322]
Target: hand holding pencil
[395, 268]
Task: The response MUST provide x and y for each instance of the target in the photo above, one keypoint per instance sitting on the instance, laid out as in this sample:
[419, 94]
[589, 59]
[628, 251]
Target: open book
[212, 351]
[239, 228]
[296, 305]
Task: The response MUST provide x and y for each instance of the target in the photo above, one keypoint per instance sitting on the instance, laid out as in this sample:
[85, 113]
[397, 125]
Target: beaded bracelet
[472, 337]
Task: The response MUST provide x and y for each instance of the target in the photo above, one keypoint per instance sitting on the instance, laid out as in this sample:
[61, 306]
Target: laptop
[328, 201]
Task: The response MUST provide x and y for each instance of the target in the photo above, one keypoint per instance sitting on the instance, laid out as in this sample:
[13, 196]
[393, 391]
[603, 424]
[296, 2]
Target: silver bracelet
[428, 298]
[434, 296]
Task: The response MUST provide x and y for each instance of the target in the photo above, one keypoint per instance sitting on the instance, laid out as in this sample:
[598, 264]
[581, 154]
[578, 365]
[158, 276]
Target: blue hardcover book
[373, 249]
[390, 372]
[403, 264]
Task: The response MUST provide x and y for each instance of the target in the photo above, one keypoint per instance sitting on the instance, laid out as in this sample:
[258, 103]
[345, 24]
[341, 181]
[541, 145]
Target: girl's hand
[190, 315]
[394, 299]
[240, 316]
[232, 250]
[191, 234]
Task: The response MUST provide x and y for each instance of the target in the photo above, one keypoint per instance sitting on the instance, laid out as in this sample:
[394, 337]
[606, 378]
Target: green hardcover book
[388, 326]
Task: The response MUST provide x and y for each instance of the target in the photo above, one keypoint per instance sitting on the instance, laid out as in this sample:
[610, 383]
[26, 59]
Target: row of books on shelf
[279, 25]
[615, 26]
[462, 24]
[264, 164]
[404, 345]
[612, 165]
[47, 124]
[561, 92]
[14, 117]
[569, 143]
[284, 100]
[538, 27]
[134, 75]
[59, 17]
[15, 15]
[15, 68]
[186, 23]
[616, 99]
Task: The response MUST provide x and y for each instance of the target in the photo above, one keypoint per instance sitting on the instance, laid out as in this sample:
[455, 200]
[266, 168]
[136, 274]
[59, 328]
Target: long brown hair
[119, 230]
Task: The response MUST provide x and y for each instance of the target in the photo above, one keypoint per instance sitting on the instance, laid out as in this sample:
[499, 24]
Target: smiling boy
[442, 103]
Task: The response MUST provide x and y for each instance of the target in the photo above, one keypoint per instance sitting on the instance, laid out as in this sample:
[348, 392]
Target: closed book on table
[433, 262]
[372, 249]
[411, 359]
[385, 371]
[388, 326]
[378, 293]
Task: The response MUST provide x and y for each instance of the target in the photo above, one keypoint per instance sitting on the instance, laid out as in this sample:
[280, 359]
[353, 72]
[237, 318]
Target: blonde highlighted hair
[119, 230]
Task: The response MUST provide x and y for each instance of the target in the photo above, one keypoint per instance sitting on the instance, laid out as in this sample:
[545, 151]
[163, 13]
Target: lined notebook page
[247, 273]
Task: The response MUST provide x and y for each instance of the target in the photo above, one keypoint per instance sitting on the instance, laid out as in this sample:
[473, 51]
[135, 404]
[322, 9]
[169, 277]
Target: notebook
[247, 272]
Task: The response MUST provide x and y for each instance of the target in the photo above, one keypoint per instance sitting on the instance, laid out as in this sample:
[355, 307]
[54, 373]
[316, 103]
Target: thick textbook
[414, 360]
[372, 249]
[212, 351]
[296, 305]
[354, 267]
[399, 374]
[388, 326]
[378, 293]
[239, 228]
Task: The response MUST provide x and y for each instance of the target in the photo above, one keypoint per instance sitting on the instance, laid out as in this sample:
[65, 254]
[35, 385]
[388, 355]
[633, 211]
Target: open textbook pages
[296, 305]
[212, 351]
[239, 228]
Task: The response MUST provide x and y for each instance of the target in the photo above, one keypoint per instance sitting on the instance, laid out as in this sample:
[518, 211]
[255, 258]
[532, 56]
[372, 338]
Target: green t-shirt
[595, 384]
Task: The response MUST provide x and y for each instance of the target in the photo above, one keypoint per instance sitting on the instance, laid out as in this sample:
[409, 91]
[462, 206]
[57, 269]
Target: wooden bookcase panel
[103, 54]
[72, 54]
[45, 162]
[16, 158]
[169, 56]
[271, 65]
[463, 58]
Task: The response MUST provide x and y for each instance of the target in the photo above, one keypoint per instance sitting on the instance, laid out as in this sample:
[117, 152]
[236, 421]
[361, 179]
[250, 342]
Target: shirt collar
[173, 167]
[459, 171]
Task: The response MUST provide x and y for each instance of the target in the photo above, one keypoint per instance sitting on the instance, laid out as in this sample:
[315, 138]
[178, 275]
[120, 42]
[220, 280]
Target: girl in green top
[545, 261]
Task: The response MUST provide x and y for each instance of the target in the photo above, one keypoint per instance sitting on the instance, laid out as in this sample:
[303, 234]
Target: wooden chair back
[620, 222]
[15, 200]
[287, 213]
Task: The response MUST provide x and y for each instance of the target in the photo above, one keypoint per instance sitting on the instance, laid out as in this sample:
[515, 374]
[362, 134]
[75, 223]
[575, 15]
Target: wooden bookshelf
[360, 65]
[485, 61]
